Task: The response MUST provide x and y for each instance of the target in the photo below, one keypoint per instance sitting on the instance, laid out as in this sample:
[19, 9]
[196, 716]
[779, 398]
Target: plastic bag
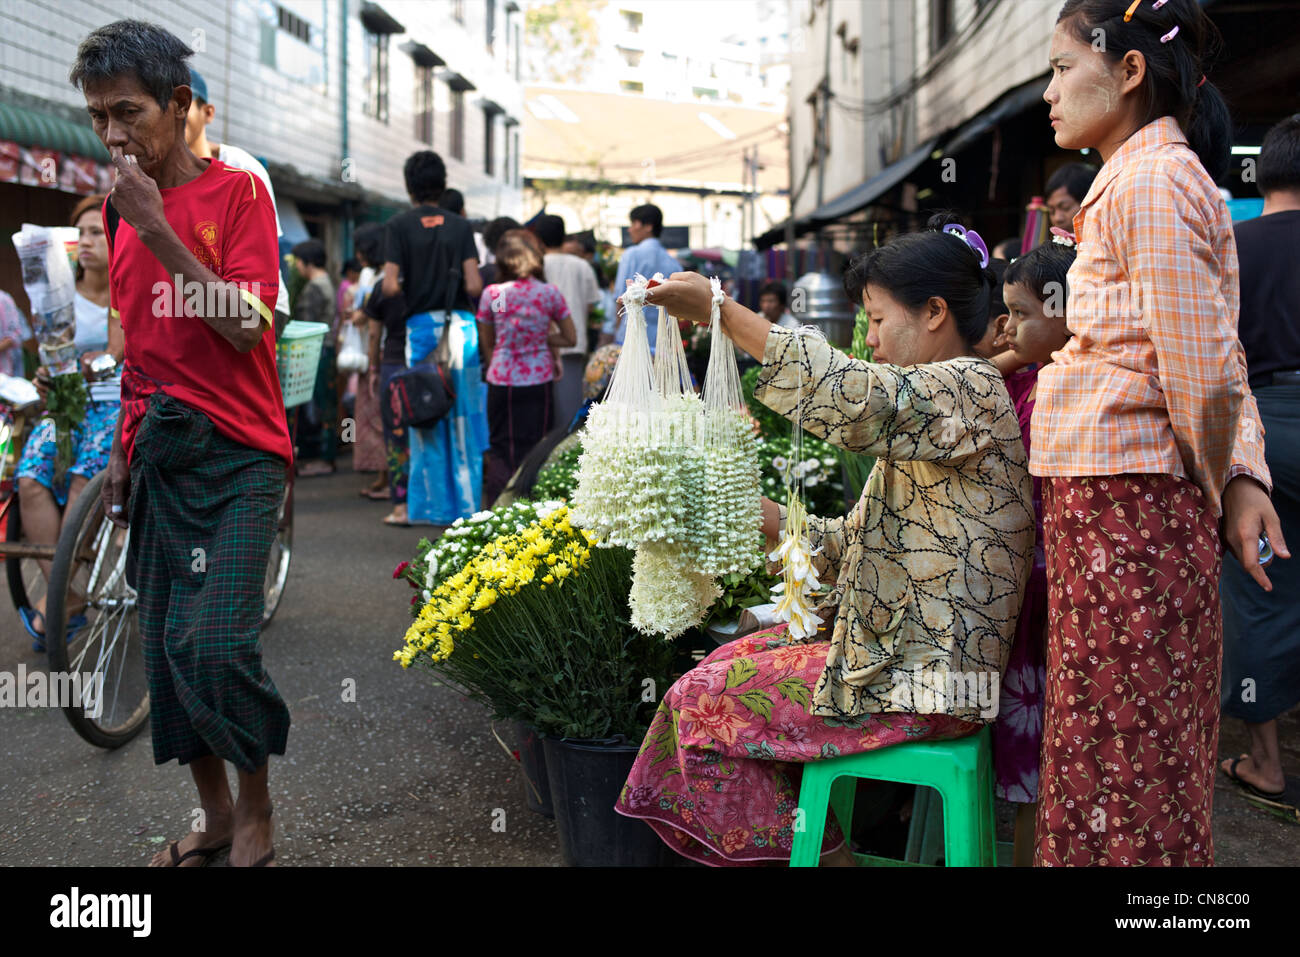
[51, 288]
[353, 356]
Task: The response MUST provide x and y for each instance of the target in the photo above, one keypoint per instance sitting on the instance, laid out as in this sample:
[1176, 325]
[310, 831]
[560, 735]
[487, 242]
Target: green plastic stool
[961, 770]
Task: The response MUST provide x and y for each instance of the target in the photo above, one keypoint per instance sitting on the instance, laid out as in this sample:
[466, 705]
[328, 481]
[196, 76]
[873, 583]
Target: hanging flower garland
[795, 593]
[670, 474]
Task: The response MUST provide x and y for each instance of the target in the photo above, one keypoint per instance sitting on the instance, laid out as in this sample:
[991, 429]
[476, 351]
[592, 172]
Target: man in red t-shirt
[197, 467]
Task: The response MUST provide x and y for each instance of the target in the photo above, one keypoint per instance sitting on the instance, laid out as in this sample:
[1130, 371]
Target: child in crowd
[988, 346]
[1034, 290]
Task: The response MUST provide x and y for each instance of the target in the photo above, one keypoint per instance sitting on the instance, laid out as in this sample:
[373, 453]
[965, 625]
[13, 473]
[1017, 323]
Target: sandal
[1246, 785]
[376, 495]
[28, 616]
[316, 470]
[203, 852]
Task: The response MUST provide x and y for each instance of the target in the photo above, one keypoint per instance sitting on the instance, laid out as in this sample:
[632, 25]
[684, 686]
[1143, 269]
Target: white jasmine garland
[671, 475]
[665, 598]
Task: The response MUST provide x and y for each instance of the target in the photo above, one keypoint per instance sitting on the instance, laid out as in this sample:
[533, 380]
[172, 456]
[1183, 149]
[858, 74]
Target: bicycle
[88, 578]
[91, 574]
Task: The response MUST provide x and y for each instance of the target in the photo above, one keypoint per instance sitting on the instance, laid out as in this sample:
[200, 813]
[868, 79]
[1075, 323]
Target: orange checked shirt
[1154, 379]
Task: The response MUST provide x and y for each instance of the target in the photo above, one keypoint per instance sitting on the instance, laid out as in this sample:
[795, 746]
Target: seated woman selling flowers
[929, 567]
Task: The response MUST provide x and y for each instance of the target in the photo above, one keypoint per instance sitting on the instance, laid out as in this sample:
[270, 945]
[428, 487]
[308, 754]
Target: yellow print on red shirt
[206, 252]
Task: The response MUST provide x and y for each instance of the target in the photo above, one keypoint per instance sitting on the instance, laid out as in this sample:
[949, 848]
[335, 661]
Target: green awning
[32, 128]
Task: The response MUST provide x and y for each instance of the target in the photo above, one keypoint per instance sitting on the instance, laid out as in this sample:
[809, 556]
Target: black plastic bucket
[532, 764]
[586, 779]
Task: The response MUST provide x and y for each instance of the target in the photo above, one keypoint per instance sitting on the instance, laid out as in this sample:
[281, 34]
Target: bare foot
[216, 836]
[252, 840]
[1270, 780]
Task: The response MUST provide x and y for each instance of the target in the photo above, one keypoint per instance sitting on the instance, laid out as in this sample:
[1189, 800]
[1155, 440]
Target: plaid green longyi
[193, 488]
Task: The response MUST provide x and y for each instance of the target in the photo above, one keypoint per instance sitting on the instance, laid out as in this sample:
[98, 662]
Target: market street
[408, 774]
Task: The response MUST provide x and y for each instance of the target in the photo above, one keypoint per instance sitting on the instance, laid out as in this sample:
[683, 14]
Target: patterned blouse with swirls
[930, 566]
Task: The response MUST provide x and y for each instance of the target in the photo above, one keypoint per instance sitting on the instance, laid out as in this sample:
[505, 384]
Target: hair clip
[1170, 35]
[1128, 14]
[1201, 80]
[1064, 237]
[971, 239]
[1158, 4]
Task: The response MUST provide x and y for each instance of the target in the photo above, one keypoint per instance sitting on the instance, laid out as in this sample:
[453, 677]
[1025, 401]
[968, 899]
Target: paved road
[407, 774]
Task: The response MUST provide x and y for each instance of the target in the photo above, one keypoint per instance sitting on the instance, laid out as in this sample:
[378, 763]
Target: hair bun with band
[971, 239]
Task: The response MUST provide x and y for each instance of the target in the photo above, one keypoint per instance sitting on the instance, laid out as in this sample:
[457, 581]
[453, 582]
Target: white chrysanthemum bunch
[666, 597]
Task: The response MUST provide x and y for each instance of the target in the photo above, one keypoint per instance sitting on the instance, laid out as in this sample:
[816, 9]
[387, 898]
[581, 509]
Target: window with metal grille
[458, 124]
[941, 23]
[294, 25]
[377, 76]
[424, 104]
[489, 142]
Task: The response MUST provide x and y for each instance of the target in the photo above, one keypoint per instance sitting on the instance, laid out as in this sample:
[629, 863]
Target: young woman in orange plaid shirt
[1145, 433]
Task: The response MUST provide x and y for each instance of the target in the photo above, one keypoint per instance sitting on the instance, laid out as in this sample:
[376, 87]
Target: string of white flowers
[666, 597]
[794, 594]
[725, 533]
[622, 470]
[671, 475]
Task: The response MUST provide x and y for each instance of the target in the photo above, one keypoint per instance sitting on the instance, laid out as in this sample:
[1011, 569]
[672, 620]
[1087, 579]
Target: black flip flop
[1247, 786]
[203, 852]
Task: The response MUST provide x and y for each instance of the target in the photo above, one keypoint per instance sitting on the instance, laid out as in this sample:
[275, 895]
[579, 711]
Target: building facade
[331, 95]
[692, 120]
[733, 52]
[903, 107]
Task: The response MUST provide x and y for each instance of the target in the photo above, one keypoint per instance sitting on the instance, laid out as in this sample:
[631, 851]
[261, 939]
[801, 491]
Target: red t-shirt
[226, 218]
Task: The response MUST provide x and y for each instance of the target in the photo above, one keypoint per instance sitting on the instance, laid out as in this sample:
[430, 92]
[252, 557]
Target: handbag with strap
[419, 397]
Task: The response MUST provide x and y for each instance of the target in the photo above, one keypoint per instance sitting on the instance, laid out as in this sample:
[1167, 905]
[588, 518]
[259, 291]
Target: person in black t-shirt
[1261, 630]
[431, 262]
[424, 244]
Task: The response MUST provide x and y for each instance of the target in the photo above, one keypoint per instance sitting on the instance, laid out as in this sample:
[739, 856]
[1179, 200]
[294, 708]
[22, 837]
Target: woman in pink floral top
[515, 320]
[13, 334]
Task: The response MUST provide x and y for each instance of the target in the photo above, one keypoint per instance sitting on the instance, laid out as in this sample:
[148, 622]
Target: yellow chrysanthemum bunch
[547, 551]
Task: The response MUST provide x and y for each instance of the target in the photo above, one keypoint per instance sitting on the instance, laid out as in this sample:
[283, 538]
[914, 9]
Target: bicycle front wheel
[92, 601]
[277, 565]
